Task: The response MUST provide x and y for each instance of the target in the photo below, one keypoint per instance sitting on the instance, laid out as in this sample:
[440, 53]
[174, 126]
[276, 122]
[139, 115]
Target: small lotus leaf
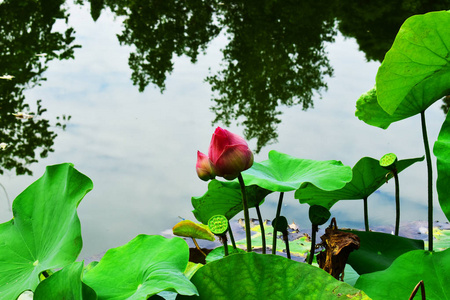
[187, 228]
[225, 198]
[283, 173]
[399, 280]
[45, 232]
[65, 284]
[369, 111]
[143, 267]
[219, 253]
[378, 250]
[442, 152]
[262, 276]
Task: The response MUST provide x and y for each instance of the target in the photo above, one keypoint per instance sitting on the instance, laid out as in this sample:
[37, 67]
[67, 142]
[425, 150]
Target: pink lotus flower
[229, 154]
[203, 167]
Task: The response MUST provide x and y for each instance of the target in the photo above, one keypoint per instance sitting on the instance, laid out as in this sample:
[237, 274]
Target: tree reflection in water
[275, 55]
[27, 43]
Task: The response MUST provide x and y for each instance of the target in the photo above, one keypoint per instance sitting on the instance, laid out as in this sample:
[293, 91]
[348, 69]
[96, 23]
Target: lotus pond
[41, 244]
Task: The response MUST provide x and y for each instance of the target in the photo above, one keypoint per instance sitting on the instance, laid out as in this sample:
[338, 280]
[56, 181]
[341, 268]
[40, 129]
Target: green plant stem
[397, 202]
[223, 239]
[198, 247]
[420, 286]
[314, 228]
[430, 182]
[261, 225]
[286, 242]
[230, 232]
[246, 215]
[274, 242]
[366, 214]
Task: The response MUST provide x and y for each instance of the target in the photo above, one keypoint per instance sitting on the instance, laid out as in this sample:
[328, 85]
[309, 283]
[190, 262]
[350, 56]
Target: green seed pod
[388, 161]
[318, 214]
[218, 224]
[280, 224]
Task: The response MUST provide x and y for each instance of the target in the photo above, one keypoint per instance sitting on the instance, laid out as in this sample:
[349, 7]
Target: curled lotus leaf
[187, 228]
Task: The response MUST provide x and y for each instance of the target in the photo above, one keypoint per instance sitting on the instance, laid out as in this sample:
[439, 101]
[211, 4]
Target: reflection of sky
[140, 148]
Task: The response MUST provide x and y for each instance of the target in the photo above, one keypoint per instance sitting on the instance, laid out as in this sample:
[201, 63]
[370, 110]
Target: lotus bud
[229, 154]
[203, 167]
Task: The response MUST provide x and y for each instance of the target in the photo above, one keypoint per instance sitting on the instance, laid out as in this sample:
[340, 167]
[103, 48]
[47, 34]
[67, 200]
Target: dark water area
[128, 91]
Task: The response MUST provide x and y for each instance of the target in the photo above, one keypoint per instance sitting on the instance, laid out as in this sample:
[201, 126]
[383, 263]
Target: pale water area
[140, 148]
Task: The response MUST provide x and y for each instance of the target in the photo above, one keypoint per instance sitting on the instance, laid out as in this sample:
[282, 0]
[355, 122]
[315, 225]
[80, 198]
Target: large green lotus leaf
[441, 150]
[378, 250]
[283, 173]
[368, 176]
[369, 111]
[399, 280]
[225, 198]
[264, 276]
[65, 284]
[416, 70]
[143, 267]
[45, 231]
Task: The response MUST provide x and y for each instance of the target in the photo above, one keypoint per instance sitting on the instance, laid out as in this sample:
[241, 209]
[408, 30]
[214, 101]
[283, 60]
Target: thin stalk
[314, 228]
[274, 242]
[366, 214]
[223, 239]
[420, 285]
[430, 181]
[246, 215]
[286, 241]
[261, 225]
[397, 202]
[198, 247]
[230, 232]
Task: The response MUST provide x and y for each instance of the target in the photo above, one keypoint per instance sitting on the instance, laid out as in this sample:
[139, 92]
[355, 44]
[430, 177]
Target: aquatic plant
[39, 245]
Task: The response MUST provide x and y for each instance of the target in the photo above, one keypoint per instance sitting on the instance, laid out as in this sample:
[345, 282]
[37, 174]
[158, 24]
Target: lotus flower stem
[397, 202]
[261, 225]
[230, 232]
[366, 214]
[430, 182]
[246, 215]
[314, 228]
[274, 243]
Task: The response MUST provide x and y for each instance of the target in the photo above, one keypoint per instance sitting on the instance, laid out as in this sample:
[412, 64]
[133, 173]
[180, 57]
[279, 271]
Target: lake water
[140, 148]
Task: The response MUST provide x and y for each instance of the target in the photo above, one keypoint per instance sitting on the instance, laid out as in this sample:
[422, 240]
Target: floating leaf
[45, 232]
[442, 239]
[65, 284]
[268, 277]
[283, 173]
[442, 152]
[368, 176]
[399, 280]
[225, 198]
[416, 70]
[187, 228]
[378, 250]
[143, 267]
